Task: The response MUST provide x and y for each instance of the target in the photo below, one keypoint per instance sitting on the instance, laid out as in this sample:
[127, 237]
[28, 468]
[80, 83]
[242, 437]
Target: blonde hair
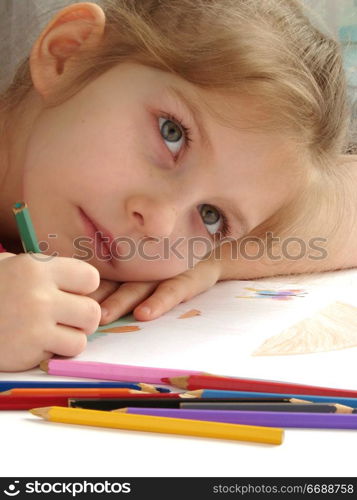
[265, 49]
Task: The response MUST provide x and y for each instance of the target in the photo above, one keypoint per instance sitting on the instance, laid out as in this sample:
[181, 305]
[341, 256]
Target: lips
[96, 232]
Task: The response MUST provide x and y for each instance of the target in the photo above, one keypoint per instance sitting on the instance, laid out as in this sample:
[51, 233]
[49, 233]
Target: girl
[162, 146]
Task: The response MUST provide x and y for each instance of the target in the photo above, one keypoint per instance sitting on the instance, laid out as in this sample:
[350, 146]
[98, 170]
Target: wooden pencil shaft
[109, 371]
[264, 418]
[112, 404]
[219, 394]
[25, 228]
[145, 423]
[7, 403]
[154, 402]
[281, 407]
[74, 392]
[194, 382]
[28, 384]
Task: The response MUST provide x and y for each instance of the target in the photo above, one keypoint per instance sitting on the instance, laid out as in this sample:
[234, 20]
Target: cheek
[77, 160]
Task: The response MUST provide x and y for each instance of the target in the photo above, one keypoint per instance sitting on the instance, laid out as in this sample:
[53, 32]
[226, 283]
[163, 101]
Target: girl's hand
[151, 299]
[44, 309]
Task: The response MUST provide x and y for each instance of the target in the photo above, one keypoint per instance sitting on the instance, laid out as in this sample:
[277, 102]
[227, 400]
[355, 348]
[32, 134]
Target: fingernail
[145, 310]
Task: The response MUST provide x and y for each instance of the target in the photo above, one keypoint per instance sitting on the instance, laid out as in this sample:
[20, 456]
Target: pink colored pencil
[111, 371]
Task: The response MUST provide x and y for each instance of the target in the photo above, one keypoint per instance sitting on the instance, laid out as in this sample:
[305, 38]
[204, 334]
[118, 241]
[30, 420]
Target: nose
[151, 217]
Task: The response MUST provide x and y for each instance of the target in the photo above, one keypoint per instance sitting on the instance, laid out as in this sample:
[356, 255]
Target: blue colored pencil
[212, 393]
[6, 385]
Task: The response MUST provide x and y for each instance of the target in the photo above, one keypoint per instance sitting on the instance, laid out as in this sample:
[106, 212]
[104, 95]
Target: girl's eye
[212, 217]
[172, 134]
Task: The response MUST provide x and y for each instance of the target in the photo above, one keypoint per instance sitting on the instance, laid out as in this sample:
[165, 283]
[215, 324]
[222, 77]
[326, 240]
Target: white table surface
[31, 446]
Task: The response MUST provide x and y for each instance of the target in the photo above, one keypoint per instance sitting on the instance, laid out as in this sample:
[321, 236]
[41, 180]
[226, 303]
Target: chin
[146, 274]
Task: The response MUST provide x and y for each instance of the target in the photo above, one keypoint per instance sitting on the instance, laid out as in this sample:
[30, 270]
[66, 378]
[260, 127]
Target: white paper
[222, 339]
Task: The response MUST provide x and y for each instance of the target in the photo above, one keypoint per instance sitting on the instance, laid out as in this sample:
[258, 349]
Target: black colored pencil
[285, 407]
[108, 404]
[116, 403]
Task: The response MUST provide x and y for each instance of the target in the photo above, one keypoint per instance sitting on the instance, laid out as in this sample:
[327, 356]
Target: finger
[167, 295]
[128, 296]
[105, 289]
[178, 289]
[6, 255]
[66, 341]
[68, 274]
[77, 311]
[73, 275]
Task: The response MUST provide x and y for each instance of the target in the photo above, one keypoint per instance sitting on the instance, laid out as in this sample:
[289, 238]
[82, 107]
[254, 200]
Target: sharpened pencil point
[120, 410]
[197, 393]
[180, 382]
[343, 408]
[18, 206]
[40, 412]
[187, 395]
[148, 388]
[44, 365]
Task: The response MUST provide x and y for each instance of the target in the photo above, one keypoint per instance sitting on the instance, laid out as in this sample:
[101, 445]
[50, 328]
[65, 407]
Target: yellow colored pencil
[118, 420]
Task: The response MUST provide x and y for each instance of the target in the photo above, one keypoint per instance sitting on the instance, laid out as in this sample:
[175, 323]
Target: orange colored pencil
[72, 392]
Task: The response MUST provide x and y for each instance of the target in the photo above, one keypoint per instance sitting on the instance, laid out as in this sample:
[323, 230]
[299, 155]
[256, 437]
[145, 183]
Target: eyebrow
[194, 112]
[196, 115]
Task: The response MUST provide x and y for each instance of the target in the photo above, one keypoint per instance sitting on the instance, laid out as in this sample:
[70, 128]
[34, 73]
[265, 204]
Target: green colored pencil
[25, 227]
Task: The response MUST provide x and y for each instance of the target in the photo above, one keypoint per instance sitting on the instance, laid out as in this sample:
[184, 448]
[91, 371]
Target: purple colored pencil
[266, 418]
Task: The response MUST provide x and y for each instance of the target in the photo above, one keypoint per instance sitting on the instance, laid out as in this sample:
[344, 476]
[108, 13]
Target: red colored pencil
[72, 392]
[194, 382]
[9, 402]
[26, 403]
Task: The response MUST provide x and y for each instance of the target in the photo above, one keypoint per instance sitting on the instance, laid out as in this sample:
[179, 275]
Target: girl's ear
[77, 27]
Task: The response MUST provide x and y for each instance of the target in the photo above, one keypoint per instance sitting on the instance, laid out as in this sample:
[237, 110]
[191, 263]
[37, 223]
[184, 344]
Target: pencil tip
[120, 410]
[44, 365]
[188, 395]
[196, 393]
[343, 408]
[40, 412]
[180, 382]
[18, 206]
[148, 388]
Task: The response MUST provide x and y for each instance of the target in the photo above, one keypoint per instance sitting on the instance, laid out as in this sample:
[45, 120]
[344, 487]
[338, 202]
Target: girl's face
[158, 178]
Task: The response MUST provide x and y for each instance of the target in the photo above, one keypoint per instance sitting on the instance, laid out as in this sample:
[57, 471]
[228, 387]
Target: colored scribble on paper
[333, 328]
[122, 329]
[282, 294]
[189, 314]
[122, 325]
